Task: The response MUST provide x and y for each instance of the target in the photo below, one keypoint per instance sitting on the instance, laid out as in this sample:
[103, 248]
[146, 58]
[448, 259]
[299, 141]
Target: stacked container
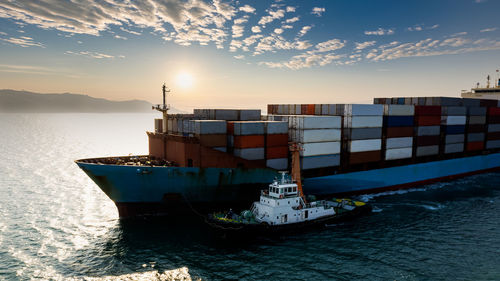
[427, 130]
[398, 137]
[247, 139]
[476, 125]
[453, 120]
[493, 138]
[362, 132]
[211, 133]
[228, 114]
[158, 125]
[320, 138]
[276, 144]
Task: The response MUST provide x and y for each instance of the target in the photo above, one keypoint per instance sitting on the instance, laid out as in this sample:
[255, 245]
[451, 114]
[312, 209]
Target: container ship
[221, 158]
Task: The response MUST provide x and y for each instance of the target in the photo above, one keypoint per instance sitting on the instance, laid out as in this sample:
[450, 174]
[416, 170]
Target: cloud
[273, 15]
[238, 31]
[235, 45]
[256, 29]
[93, 17]
[252, 39]
[317, 11]
[23, 41]
[241, 20]
[458, 34]
[290, 9]
[247, 9]
[292, 20]
[239, 57]
[488, 29]
[361, 46]
[380, 31]
[304, 31]
[39, 70]
[92, 55]
[130, 31]
[278, 30]
[3, 33]
[120, 37]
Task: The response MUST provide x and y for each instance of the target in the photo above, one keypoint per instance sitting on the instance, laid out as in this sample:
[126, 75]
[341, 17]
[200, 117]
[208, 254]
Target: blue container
[398, 121]
[454, 129]
[401, 100]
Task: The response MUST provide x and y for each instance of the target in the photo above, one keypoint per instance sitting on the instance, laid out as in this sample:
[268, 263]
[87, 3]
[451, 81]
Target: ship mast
[163, 108]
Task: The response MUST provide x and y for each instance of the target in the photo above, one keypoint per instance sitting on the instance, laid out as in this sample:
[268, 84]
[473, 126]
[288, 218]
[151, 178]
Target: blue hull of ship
[216, 187]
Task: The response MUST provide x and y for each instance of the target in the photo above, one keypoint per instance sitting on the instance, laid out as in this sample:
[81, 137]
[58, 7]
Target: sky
[246, 54]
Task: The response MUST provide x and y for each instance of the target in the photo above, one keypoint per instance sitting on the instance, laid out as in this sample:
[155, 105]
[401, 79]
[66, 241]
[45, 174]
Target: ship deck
[133, 160]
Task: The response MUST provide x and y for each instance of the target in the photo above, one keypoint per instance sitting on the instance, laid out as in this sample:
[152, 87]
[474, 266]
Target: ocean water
[55, 223]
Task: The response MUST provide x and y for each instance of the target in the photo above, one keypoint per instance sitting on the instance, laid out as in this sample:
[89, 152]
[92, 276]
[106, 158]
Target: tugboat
[283, 207]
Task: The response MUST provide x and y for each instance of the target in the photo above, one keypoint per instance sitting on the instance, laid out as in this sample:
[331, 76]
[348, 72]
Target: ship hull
[179, 190]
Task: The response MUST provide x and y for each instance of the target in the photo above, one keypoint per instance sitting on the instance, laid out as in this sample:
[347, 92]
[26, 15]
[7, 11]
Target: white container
[316, 122]
[363, 121]
[317, 109]
[399, 110]
[453, 120]
[454, 148]
[399, 142]
[250, 153]
[202, 127]
[365, 145]
[324, 109]
[361, 109]
[427, 150]
[281, 109]
[320, 148]
[319, 135]
[277, 164]
[276, 127]
[245, 128]
[398, 153]
[332, 109]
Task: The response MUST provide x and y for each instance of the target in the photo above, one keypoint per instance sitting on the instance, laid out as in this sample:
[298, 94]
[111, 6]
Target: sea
[56, 224]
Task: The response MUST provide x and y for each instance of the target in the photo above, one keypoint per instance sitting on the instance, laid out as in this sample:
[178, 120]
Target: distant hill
[23, 101]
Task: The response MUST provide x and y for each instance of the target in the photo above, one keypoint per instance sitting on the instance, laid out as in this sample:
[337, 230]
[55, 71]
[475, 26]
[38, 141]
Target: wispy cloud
[304, 31]
[120, 37]
[488, 29]
[239, 57]
[292, 20]
[92, 55]
[420, 27]
[130, 31]
[361, 46]
[23, 41]
[38, 70]
[3, 33]
[380, 31]
[272, 15]
[317, 11]
[290, 9]
[256, 29]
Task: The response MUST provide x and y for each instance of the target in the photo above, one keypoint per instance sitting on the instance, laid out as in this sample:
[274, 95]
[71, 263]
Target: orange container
[276, 140]
[428, 120]
[494, 111]
[476, 145]
[277, 152]
[252, 141]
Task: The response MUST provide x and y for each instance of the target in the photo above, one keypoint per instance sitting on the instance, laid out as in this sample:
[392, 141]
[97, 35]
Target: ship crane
[295, 149]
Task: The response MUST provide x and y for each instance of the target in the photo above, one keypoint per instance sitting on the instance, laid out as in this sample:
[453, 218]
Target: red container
[494, 111]
[488, 103]
[424, 120]
[270, 109]
[365, 157]
[277, 152]
[493, 136]
[399, 132]
[252, 141]
[427, 140]
[230, 128]
[276, 140]
[494, 119]
[478, 128]
[429, 110]
[476, 145]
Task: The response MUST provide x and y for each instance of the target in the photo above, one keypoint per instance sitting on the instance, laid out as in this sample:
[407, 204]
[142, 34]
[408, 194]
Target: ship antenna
[488, 81]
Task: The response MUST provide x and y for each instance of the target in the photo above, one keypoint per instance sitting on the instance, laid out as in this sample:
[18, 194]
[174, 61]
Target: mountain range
[30, 102]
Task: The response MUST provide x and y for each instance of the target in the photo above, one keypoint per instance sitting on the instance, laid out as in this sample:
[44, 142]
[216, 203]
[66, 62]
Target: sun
[184, 80]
